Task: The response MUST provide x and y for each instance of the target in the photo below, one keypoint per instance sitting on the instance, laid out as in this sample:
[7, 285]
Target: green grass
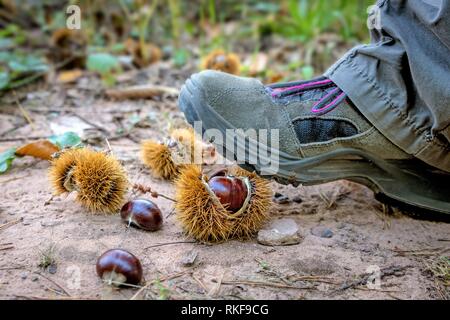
[173, 24]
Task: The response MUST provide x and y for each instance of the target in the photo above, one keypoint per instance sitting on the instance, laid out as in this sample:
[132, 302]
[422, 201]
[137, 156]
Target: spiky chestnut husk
[67, 44]
[185, 136]
[61, 171]
[153, 53]
[167, 159]
[203, 216]
[99, 179]
[222, 61]
[193, 143]
[158, 157]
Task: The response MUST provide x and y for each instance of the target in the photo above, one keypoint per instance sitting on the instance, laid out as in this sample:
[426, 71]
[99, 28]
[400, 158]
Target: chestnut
[119, 267]
[231, 191]
[143, 214]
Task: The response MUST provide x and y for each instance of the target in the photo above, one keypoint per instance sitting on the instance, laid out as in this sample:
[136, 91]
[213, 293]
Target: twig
[215, 290]
[12, 139]
[264, 284]
[110, 282]
[11, 223]
[49, 200]
[52, 298]
[13, 179]
[170, 277]
[375, 290]
[12, 268]
[141, 92]
[421, 252]
[23, 111]
[393, 297]
[200, 283]
[54, 282]
[89, 122]
[314, 279]
[109, 146]
[267, 269]
[168, 243]
[389, 271]
[170, 213]
[144, 189]
[59, 293]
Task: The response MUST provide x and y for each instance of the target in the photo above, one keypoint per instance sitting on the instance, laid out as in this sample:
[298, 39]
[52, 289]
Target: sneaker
[314, 131]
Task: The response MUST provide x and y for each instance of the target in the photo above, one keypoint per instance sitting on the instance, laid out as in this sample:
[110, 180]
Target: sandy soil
[366, 233]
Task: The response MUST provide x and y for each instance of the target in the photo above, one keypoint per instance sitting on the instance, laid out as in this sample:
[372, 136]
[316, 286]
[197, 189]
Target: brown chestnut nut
[231, 191]
[143, 214]
[119, 267]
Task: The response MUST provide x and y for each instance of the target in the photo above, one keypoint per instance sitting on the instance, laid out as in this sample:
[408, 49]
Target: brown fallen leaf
[258, 63]
[69, 76]
[273, 77]
[42, 149]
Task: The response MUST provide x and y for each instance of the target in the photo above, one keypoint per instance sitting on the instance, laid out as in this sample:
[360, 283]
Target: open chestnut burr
[230, 204]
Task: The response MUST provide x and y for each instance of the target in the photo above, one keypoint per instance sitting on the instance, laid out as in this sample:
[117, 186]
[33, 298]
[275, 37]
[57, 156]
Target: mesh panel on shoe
[319, 130]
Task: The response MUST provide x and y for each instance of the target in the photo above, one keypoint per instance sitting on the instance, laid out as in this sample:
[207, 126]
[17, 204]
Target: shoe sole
[409, 185]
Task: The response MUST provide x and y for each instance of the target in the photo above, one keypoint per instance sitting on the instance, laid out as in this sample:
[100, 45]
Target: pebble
[297, 199]
[34, 278]
[280, 198]
[52, 268]
[24, 275]
[280, 232]
[322, 232]
[189, 257]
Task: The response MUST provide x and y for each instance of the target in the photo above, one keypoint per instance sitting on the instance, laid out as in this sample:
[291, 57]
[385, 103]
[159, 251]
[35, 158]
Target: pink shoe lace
[324, 105]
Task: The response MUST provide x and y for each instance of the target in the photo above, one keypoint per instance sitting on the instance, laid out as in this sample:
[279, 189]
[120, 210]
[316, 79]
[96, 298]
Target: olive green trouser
[401, 80]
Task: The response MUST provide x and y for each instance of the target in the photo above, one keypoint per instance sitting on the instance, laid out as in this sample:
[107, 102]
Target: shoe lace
[327, 103]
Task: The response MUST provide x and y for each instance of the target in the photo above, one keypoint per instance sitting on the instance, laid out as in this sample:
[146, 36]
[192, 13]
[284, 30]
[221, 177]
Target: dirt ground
[366, 234]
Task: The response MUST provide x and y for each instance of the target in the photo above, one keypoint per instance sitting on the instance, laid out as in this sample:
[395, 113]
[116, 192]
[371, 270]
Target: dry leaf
[69, 76]
[274, 77]
[42, 149]
[258, 63]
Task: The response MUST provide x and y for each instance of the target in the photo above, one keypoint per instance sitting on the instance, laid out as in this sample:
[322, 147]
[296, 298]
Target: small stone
[280, 198]
[297, 199]
[50, 223]
[34, 278]
[341, 225]
[52, 268]
[23, 275]
[322, 232]
[188, 258]
[280, 232]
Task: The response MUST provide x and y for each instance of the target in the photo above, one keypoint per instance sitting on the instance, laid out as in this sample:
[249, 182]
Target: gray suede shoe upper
[247, 104]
